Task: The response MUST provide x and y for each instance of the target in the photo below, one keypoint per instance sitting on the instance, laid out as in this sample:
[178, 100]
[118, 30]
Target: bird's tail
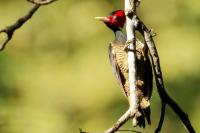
[147, 113]
[143, 113]
[139, 119]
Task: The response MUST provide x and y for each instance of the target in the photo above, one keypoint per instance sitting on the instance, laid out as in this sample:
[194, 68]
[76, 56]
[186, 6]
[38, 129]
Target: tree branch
[9, 30]
[41, 2]
[162, 116]
[129, 130]
[165, 98]
[122, 120]
[131, 39]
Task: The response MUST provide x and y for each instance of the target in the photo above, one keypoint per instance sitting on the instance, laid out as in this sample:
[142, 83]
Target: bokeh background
[55, 75]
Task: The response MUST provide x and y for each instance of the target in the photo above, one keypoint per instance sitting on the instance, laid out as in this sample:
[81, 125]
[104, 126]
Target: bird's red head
[115, 19]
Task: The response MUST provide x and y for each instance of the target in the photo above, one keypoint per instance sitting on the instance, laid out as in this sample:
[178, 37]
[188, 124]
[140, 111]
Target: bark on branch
[9, 30]
[121, 121]
[130, 30]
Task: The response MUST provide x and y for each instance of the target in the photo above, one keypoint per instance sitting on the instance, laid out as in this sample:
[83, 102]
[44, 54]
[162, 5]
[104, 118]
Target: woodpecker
[118, 55]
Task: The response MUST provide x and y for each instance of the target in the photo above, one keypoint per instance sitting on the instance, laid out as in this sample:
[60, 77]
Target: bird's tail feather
[140, 116]
[147, 113]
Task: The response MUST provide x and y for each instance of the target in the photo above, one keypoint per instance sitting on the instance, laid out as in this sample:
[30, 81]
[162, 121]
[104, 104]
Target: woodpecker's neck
[116, 31]
[120, 37]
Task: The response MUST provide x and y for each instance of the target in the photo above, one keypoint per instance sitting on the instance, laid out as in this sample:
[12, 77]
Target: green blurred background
[56, 77]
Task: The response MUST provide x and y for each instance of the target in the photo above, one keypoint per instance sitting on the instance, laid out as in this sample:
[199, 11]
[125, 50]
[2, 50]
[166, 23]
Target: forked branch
[121, 121]
[9, 30]
[165, 98]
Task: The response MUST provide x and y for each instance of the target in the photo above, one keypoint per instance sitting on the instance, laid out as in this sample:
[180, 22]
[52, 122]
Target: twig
[128, 130]
[122, 120]
[162, 116]
[9, 30]
[41, 2]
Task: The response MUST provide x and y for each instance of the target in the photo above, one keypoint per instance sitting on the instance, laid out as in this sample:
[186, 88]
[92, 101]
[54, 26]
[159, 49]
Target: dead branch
[41, 2]
[162, 116]
[165, 98]
[121, 121]
[9, 30]
[131, 39]
[128, 130]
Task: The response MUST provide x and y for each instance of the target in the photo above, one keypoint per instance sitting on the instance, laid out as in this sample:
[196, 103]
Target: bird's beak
[104, 19]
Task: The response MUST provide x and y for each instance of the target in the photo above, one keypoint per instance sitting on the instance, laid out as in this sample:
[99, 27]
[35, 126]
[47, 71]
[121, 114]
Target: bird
[118, 56]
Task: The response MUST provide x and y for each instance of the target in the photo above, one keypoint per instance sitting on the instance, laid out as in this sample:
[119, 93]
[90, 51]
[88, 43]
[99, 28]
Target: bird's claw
[125, 48]
[127, 44]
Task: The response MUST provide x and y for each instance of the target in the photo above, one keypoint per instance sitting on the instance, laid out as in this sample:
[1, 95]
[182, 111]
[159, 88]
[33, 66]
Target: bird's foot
[127, 44]
[125, 48]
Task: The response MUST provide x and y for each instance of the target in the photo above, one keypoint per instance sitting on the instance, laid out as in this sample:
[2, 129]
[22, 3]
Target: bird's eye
[116, 18]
